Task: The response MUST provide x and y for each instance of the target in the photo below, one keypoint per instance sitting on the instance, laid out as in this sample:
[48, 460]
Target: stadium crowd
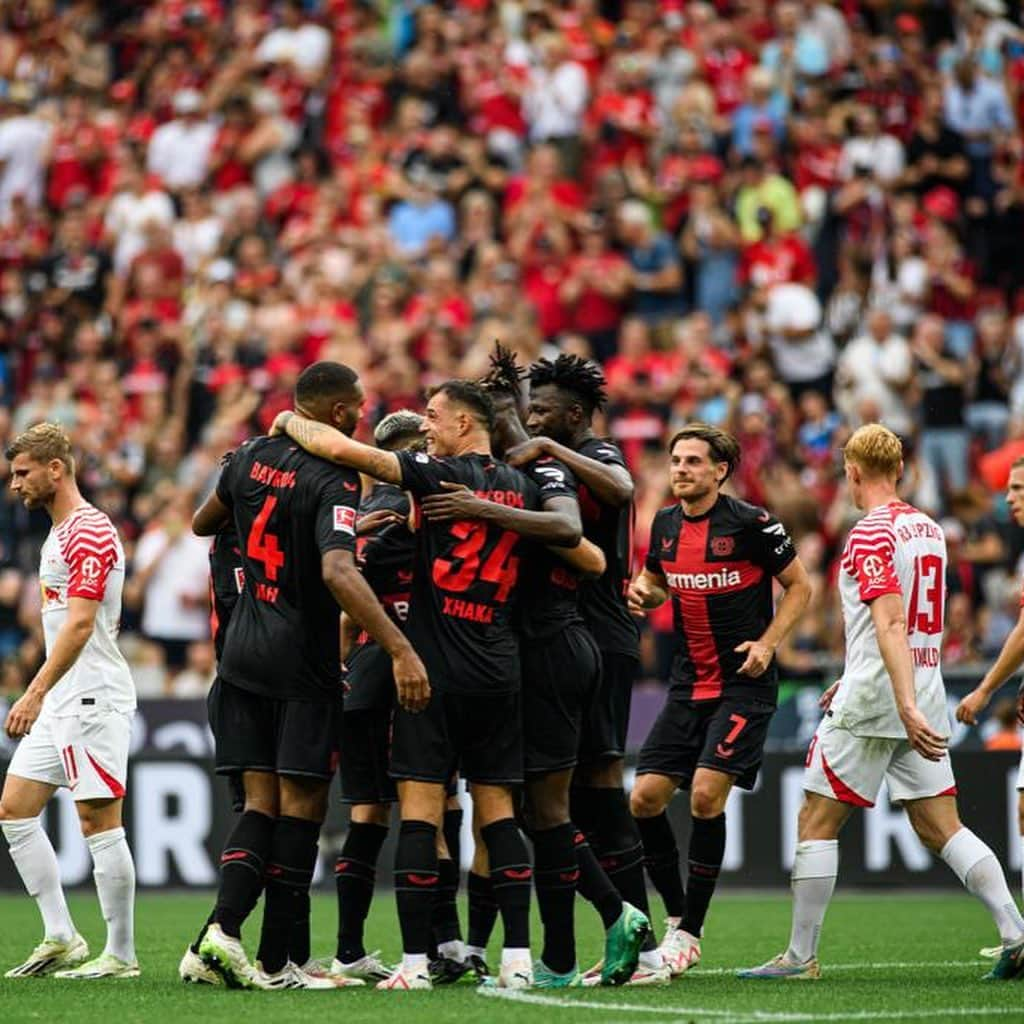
[785, 218]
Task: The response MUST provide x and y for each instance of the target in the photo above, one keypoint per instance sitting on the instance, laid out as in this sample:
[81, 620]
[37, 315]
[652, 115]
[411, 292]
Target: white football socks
[114, 873]
[813, 879]
[976, 866]
[36, 861]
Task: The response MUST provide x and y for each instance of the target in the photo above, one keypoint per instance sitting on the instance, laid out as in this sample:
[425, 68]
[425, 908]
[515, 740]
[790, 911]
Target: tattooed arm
[327, 443]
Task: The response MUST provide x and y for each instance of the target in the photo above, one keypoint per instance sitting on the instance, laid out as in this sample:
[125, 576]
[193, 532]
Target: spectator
[554, 101]
[711, 242]
[1006, 735]
[877, 365]
[422, 220]
[941, 379]
[761, 189]
[24, 138]
[657, 277]
[869, 149]
[179, 151]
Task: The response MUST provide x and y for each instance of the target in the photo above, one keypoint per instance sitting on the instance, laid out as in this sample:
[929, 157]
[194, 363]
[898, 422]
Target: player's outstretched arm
[1010, 659]
[891, 628]
[71, 638]
[357, 600]
[327, 443]
[558, 525]
[610, 483]
[648, 591]
[796, 587]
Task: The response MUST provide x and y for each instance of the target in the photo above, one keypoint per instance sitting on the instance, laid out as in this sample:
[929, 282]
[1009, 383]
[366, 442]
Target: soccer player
[1010, 659]
[74, 720]
[564, 395]
[385, 549]
[277, 706]
[226, 577]
[561, 670]
[886, 718]
[460, 619]
[716, 557]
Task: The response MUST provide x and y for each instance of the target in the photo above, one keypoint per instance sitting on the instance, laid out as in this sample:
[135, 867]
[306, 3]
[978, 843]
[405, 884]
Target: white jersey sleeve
[83, 557]
[895, 549]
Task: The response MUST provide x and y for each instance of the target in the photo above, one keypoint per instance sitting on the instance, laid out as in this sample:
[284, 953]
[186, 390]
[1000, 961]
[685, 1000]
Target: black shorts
[479, 736]
[254, 733]
[175, 651]
[369, 681]
[560, 677]
[607, 721]
[726, 735]
[365, 752]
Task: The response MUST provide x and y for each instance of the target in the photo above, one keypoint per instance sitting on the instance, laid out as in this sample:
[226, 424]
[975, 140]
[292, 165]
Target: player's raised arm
[609, 482]
[326, 442]
[68, 644]
[558, 524]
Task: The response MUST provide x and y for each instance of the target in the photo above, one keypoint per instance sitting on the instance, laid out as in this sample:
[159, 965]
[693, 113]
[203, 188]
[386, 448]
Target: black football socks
[594, 885]
[661, 859]
[511, 876]
[290, 866]
[242, 867]
[483, 910]
[445, 921]
[555, 876]
[416, 876]
[707, 850]
[355, 873]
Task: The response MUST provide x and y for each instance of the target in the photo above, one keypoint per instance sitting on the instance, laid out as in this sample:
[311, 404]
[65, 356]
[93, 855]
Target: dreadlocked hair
[581, 378]
[506, 374]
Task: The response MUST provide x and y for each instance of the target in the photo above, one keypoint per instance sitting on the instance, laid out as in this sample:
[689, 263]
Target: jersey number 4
[498, 568]
[926, 599]
[262, 545]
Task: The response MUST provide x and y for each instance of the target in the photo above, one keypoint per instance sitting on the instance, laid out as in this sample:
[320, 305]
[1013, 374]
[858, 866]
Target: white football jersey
[82, 557]
[895, 549]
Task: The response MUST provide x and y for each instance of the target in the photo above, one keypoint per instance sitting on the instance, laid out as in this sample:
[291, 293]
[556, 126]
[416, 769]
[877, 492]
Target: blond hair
[875, 449]
[43, 442]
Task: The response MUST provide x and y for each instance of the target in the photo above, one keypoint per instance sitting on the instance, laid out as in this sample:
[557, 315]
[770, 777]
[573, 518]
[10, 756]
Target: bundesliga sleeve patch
[345, 519]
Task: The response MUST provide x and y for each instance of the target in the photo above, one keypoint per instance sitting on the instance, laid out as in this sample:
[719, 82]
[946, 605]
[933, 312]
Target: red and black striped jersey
[718, 568]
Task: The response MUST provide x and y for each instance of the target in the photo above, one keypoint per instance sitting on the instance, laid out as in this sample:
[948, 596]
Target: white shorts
[86, 753]
[1020, 772]
[851, 768]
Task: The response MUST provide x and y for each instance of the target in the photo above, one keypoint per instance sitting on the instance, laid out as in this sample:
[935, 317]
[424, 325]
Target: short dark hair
[324, 380]
[470, 394]
[1017, 463]
[579, 377]
[723, 446]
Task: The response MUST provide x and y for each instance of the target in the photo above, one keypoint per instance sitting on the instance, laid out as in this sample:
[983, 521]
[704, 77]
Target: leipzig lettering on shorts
[719, 569]
[603, 601]
[289, 509]
[466, 577]
[227, 578]
[551, 587]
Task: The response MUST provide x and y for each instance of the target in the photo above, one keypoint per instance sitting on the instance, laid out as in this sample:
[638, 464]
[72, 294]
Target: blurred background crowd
[786, 217]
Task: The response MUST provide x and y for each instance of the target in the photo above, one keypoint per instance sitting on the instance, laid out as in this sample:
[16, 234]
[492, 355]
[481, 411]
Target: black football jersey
[466, 577]
[719, 569]
[385, 558]
[291, 508]
[603, 601]
[550, 598]
[226, 579]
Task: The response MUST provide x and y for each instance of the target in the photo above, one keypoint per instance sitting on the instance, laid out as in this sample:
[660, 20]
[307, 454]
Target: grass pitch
[885, 957]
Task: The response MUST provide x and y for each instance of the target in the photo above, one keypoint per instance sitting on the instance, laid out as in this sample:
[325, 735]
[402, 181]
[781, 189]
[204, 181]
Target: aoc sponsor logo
[704, 580]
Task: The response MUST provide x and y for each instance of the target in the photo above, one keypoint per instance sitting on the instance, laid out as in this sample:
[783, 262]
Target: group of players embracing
[480, 554]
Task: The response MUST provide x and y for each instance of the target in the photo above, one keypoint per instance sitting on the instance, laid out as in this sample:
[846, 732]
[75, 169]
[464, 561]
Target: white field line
[692, 1013]
[766, 1016]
